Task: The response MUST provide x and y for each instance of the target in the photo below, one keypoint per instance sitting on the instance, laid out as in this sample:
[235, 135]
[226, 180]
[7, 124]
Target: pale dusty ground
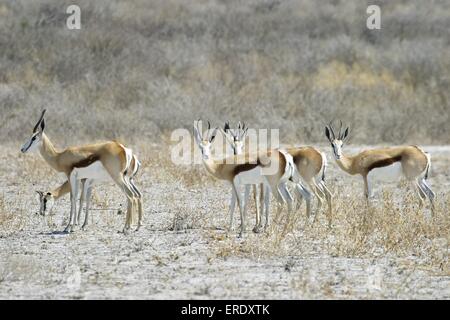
[183, 251]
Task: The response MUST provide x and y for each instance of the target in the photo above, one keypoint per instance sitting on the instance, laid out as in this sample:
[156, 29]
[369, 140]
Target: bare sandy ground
[183, 252]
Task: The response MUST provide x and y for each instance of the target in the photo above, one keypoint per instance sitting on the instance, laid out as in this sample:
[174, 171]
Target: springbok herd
[270, 170]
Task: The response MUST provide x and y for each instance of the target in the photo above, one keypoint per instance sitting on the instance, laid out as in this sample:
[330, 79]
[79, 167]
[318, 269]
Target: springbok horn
[340, 130]
[198, 128]
[332, 130]
[227, 126]
[40, 120]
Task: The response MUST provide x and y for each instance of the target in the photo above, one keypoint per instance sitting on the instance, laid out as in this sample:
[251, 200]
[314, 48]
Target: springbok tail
[128, 156]
[137, 166]
[427, 169]
[324, 165]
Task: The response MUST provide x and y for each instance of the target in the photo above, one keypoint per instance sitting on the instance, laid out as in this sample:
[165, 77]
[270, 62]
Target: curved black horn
[243, 130]
[196, 125]
[331, 129]
[340, 129]
[40, 120]
[226, 127]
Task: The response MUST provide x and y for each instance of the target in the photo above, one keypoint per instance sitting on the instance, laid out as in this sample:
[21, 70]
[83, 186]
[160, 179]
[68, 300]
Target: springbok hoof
[257, 229]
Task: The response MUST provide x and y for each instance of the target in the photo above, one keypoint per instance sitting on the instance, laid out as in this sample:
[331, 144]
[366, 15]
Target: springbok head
[204, 140]
[337, 141]
[36, 137]
[235, 137]
[46, 201]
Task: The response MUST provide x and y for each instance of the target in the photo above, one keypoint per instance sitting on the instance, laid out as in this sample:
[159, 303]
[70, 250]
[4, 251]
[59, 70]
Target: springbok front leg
[73, 201]
[82, 200]
[240, 201]
[88, 186]
[231, 211]
[265, 197]
[367, 189]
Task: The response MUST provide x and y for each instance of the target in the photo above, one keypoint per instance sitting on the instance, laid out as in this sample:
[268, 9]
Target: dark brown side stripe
[86, 162]
[384, 162]
[245, 167]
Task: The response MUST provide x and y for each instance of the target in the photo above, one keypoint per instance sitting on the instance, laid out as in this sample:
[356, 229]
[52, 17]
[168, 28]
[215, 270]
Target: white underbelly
[390, 173]
[253, 176]
[94, 171]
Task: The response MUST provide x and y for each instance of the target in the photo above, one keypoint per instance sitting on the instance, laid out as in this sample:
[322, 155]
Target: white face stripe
[336, 145]
[32, 143]
[205, 148]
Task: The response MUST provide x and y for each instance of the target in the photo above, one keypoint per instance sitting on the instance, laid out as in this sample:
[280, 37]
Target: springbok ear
[345, 135]
[226, 133]
[213, 135]
[197, 136]
[245, 133]
[327, 133]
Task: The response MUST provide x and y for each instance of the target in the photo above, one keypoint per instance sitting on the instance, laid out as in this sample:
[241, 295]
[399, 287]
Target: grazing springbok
[384, 164]
[102, 162]
[47, 199]
[310, 162]
[270, 167]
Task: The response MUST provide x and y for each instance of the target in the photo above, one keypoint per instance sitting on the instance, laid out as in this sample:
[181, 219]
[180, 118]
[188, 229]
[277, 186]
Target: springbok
[48, 199]
[270, 167]
[388, 164]
[311, 165]
[102, 162]
[310, 162]
[236, 140]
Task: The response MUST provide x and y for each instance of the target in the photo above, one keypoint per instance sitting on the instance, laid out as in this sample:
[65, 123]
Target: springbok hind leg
[319, 195]
[307, 196]
[329, 198]
[287, 197]
[121, 182]
[421, 193]
[138, 199]
[430, 194]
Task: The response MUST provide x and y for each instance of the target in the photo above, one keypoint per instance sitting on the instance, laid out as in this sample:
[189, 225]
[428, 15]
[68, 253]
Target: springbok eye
[34, 138]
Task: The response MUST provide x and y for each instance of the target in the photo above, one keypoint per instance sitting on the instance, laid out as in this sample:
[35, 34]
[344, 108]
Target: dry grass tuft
[396, 228]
